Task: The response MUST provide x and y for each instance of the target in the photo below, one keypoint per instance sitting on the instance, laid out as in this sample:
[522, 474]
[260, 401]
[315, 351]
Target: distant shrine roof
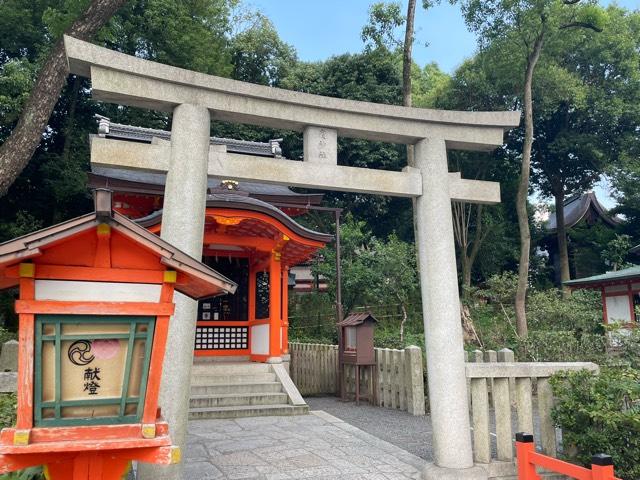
[121, 180]
[578, 207]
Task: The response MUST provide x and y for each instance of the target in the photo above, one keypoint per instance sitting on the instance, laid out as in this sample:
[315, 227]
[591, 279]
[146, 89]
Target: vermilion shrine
[188, 160]
[245, 237]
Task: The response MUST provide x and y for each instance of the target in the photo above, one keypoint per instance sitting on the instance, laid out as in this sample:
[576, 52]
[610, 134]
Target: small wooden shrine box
[356, 348]
[357, 339]
[96, 300]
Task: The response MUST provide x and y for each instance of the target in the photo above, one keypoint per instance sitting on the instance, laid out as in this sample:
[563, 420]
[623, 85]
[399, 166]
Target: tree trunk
[523, 191]
[406, 66]
[561, 234]
[17, 150]
[403, 322]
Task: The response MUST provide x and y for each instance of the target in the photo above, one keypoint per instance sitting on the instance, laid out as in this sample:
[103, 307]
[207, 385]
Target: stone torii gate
[195, 99]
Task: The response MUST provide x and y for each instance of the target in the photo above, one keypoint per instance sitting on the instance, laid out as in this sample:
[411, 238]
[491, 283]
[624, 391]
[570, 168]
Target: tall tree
[17, 150]
[527, 24]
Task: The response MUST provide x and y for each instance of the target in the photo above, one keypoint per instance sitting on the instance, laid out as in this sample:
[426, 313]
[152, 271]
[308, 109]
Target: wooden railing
[398, 381]
[500, 390]
[529, 459]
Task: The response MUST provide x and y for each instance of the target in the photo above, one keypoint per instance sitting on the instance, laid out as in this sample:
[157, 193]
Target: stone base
[274, 360]
[433, 472]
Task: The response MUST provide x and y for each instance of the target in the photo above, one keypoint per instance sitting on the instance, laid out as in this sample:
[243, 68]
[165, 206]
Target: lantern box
[356, 333]
[95, 301]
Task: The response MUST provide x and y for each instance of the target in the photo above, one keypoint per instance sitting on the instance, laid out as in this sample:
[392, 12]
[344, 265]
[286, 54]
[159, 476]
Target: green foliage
[559, 329]
[7, 410]
[601, 414]
[581, 312]
[560, 346]
[33, 473]
[259, 55]
[383, 27]
[616, 252]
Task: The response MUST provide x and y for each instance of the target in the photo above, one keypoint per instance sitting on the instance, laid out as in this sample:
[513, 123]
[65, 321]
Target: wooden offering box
[96, 297]
[357, 339]
[356, 348]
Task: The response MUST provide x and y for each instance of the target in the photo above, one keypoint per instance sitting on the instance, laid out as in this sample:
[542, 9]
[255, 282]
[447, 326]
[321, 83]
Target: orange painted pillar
[275, 299]
[525, 446]
[251, 314]
[285, 310]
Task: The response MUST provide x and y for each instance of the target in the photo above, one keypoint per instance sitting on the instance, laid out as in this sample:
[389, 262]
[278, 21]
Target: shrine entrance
[254, 244]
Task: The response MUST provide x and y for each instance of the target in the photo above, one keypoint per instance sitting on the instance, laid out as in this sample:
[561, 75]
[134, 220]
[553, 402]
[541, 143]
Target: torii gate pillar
[183, 226]
[441, 312]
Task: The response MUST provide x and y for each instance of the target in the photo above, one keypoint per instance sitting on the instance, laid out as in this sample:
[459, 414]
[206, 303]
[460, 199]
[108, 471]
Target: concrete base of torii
[433, 472]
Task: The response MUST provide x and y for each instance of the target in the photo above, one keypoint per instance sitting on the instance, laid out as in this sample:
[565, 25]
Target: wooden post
[285, 310]
[275, 284]
[251, 314]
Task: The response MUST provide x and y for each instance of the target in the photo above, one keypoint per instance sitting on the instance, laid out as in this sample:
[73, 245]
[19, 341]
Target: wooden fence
[398, 376]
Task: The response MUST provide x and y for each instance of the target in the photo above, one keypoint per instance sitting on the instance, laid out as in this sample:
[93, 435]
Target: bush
[561, 346]
[7, 410]
[601, 414]
[581, 312]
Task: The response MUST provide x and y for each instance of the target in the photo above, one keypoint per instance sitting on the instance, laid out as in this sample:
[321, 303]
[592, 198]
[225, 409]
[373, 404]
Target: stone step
[229, 388]
[207, 379]
[230, 400]
[229, 368]
[247, 411]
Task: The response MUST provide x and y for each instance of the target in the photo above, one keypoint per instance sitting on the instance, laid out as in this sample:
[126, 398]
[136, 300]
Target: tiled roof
[575, 208]
[109, 129]
[357, 319]
[624, 274]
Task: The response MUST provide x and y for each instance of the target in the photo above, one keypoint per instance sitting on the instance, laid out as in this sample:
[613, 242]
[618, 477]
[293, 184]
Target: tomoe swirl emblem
[80, 353]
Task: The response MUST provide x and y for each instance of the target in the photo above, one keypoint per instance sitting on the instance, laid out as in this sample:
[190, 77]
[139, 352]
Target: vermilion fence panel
[529, 459]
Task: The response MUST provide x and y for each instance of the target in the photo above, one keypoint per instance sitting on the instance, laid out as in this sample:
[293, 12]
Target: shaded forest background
[586, 92]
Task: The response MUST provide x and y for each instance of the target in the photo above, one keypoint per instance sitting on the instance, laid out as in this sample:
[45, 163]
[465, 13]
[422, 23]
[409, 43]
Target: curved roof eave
[575, 210]
[239, 202]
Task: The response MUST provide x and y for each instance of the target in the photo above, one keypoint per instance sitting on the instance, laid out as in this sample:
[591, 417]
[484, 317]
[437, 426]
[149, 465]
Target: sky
[319, 29]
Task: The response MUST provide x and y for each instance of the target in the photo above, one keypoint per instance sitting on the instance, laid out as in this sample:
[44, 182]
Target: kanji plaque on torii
[188, 159]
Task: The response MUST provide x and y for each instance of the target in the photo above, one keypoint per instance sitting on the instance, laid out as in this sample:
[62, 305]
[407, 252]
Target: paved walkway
[317, 446]
[406, 431]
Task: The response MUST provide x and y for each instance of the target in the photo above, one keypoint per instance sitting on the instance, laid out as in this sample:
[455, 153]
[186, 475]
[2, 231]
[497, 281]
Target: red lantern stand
[99, 247]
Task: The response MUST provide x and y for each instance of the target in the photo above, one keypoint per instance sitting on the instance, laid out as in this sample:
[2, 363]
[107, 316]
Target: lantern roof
[357, 319]
[194, 279]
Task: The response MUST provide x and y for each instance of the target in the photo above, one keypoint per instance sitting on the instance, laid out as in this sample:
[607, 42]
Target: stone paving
[315, 446]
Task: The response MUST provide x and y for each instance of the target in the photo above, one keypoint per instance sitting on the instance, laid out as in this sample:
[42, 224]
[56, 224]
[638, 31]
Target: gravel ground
[408, 432]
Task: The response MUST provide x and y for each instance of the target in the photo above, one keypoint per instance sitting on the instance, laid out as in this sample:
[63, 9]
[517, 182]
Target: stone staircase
[242, 389]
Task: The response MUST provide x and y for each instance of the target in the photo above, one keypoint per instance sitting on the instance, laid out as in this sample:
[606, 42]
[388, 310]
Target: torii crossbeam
[195, 98]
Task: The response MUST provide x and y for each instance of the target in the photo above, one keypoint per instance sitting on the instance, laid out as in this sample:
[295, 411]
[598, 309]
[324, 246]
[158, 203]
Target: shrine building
[247, 238]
